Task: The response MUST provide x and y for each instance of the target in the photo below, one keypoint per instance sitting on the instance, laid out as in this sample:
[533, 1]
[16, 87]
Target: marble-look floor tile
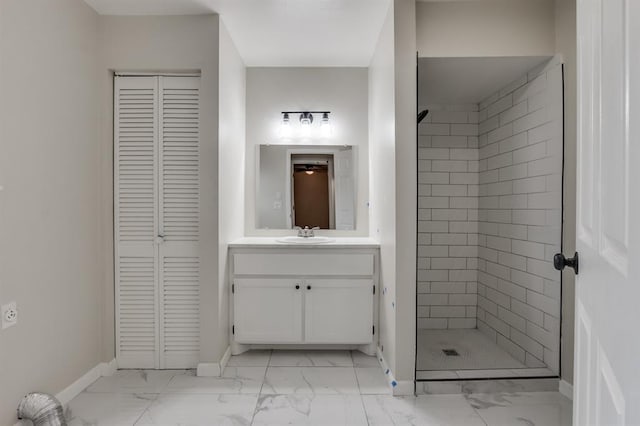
[487, 400]
[438, 387]
[310, 380]
[234, 380]
[527, 415]
[424, 410]
[284, 358]
[363, 360]
[200, 410]
[135, 381]
[113, 409]
[325, 410]
[253, 358]
[524, 408]
[509, 385]
[372, 381]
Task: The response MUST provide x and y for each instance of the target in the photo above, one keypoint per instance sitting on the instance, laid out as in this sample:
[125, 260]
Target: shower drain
[450, 352]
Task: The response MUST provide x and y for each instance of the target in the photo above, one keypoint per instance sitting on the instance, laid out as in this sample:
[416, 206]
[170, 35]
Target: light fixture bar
[306, 112]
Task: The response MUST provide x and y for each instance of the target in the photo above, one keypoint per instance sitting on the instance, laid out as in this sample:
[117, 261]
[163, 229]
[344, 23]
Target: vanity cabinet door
[267, 310]
[339, 311]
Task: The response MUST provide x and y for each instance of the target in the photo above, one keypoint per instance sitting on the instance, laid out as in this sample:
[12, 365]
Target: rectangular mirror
[306, 185]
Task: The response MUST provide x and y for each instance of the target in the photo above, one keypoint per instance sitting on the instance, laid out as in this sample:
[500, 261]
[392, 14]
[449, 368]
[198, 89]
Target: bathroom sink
[307, 240]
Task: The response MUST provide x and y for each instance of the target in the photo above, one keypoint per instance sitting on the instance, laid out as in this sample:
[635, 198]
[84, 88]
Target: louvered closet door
[157, 221]
[179, 221]
[136, 222]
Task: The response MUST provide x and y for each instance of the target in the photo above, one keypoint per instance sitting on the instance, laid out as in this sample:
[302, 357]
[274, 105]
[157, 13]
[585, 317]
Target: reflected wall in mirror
[310, 185]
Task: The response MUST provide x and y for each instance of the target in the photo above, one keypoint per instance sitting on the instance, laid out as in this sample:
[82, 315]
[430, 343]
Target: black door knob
[308, 287]
[559, 262]
[297, 287]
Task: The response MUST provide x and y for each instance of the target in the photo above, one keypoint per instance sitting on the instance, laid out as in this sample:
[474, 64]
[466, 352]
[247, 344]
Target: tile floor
[297, 388]
[479, 357]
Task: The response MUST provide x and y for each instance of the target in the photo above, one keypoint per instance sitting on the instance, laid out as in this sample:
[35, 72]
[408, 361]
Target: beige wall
[343, 91]
[231, 141]
[406, 186]
[566, 45]
[161, 44]
[382, 165]
[485, 28]
[392, 165]
[50, 257]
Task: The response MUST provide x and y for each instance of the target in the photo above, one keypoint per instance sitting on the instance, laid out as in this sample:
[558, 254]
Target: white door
[179, 221]
[607, 347]
[344, 190]
[267, 310]
[156, 192]
[136, 222]
[338, 311]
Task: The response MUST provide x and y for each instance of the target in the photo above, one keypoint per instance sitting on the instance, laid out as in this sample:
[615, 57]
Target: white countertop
[338, 242]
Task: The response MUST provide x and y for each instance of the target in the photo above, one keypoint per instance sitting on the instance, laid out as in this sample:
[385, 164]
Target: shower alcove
[489, 218]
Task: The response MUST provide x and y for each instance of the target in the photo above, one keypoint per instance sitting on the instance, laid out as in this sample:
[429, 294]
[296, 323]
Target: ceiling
[281, 32]
[469, 80]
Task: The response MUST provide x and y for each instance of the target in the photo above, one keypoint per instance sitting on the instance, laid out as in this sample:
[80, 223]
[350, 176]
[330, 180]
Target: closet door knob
[297, 286]
[308, 287]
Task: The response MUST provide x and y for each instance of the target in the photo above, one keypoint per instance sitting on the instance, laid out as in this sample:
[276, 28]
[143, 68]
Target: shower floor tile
[479, 357]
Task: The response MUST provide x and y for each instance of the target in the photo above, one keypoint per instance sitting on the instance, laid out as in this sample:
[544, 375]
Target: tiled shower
[490, 218]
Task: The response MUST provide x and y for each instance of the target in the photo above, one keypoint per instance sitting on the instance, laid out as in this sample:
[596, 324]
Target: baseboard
[404, 388]
[214, 369]
[225, 360]
[565, 388]
[109, 368]
[74, 389]
[398, 388]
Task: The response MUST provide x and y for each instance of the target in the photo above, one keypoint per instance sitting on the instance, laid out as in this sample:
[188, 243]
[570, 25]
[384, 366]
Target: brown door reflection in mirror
[311, 191]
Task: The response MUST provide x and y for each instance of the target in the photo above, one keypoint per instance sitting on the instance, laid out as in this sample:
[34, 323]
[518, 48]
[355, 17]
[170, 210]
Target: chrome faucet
[306, 232]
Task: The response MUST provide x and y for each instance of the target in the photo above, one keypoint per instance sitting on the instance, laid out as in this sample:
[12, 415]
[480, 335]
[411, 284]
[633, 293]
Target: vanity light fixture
[306, 122]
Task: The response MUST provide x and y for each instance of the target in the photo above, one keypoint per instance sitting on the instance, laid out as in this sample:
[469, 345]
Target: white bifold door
[156, 210]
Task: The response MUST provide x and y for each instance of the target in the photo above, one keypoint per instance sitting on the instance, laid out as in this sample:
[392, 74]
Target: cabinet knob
[308, 287]
[297, 287]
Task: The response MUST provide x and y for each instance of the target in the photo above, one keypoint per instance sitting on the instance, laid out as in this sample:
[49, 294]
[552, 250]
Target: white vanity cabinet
[284, 296]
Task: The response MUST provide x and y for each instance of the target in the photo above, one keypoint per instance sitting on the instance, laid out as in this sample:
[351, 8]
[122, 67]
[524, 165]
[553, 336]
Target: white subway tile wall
[520, 207]
[490, 213]
[448, 217]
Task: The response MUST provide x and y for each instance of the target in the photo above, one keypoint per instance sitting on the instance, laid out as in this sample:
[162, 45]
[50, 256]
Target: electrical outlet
[9, 314]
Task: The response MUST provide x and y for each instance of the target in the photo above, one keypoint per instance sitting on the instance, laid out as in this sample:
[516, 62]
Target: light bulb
[305, 124]
[325, 126]
[305, 129]
[309, 172]
[285, 126]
